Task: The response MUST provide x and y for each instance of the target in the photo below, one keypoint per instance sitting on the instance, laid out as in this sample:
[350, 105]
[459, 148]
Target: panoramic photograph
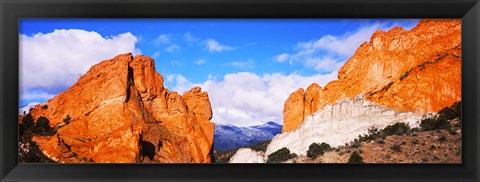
[240, 91]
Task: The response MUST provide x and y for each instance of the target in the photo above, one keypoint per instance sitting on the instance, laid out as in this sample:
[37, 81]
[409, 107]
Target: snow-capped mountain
[229, 137]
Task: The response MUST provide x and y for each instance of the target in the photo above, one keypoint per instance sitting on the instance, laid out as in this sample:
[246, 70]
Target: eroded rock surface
[120, 113]
[415, 70]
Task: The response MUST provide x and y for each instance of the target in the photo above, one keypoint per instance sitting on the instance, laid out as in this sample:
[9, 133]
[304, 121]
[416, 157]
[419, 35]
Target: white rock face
[246, 155]
[339, 123]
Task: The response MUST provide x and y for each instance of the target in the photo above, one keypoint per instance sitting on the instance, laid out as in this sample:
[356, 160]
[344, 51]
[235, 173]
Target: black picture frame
[11, 11]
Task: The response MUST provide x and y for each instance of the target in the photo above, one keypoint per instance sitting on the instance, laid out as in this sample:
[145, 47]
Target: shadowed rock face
[417, 70]
[121, 113]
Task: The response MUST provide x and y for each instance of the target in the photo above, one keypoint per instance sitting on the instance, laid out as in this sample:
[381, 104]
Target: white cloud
[37, 95]
[328, 52]
[200, 61]
[190, 38]
[181, 84]
[214, 46]
[246, 99]
[27, 108]
[163, 39]
[173, 48]
[282, 57]
[324, 64]
[56, 60]
[248, 64]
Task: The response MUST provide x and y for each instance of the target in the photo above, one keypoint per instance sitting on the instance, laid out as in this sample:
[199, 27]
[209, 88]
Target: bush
[396, 148]
[42, 127]
[452, 112]
[434, 123]
[396, 129]
[356, 143]
[66, 120]
[441, 120]
[315, 149]
[373, 133]
[355, 158]
[280, 155]
[27, 121]
[33, 154]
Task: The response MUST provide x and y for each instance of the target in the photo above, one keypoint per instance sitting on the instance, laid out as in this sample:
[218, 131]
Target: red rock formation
[294, 110]
[417, 70]
[120, 112]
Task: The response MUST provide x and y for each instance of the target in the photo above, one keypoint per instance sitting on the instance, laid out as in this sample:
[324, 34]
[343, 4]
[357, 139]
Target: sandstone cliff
[417, 70]
[119, 112]
[339, 123]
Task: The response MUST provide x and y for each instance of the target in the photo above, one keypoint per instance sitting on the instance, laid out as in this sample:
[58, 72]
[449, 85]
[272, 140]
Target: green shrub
[315, 149]
[325, 146]
[396, 129]
[373, 133]
[355, 158]
[66, 120]
[356, 143]
[42, 127]
[440, 121]
[396, 148]
[434, 123]
[280, 155]
[27, 121]
[452, 112]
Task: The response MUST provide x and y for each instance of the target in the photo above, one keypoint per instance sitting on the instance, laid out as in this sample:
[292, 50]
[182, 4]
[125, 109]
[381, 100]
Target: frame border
[11, 11]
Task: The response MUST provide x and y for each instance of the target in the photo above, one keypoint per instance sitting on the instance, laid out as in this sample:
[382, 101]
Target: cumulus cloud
[214, 46]
[54, 61]
[248, 64]
[246, 99]
[329, 52]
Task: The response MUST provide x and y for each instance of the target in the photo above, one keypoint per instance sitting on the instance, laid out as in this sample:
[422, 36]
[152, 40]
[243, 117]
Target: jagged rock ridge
[120, 112]
[417, 70]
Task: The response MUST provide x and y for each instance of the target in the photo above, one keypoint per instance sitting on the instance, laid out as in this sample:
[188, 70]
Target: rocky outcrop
[417, 70]
[246, 155]
[119, 112]
[340, 123]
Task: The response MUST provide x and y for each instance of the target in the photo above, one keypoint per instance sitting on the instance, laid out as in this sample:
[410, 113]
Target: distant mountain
[228, 137]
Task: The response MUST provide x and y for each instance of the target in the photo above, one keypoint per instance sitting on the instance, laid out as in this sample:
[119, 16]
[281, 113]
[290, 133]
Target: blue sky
[262, 60]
